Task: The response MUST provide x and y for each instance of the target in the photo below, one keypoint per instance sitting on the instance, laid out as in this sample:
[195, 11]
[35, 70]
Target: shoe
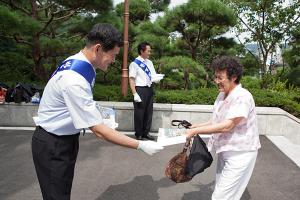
[139, 137]
[148, 137]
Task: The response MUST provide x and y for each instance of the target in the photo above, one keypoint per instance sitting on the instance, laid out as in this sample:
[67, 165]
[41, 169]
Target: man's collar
[86, 59]
[141, 58]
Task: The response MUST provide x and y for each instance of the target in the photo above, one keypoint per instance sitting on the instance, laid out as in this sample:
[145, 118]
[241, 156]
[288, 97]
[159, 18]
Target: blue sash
[83, 68]
[144, 67]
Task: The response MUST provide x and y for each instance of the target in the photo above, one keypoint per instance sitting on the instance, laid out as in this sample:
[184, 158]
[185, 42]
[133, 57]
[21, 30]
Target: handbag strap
[186, 145]
[179, 123]
[186, 125]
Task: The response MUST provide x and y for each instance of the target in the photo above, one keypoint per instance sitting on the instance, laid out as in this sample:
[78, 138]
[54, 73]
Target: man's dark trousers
[143, 111]
[54, 159]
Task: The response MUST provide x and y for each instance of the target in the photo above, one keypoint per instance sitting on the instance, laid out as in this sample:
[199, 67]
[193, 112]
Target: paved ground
[108, 172]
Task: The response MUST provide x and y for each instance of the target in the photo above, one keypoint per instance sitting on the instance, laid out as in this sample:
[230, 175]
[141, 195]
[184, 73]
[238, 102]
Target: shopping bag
[193, 159]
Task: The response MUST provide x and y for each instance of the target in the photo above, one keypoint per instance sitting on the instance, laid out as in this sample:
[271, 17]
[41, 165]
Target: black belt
[143, 86]
[65, 136]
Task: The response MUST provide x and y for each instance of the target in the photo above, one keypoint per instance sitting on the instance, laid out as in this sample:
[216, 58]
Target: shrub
[294, 76]
[250, 82]
[184, 71]
[287, 100]
[110, 93]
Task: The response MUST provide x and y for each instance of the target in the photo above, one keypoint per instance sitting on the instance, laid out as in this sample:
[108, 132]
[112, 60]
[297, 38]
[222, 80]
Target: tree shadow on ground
[204, 192]
[141, 187]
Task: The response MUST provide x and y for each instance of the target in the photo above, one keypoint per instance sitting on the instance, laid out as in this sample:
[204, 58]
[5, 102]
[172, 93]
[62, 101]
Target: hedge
[288, 101]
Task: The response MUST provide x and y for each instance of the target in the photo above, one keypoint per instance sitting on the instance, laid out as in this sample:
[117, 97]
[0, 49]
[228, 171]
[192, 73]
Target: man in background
[141, 71]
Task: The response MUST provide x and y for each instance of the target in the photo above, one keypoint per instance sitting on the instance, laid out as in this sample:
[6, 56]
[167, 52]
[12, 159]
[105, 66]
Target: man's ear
[98, 46]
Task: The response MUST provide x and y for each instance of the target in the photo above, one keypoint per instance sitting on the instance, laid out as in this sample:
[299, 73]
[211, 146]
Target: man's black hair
[106, 35]
[142, 47]
[231, 65]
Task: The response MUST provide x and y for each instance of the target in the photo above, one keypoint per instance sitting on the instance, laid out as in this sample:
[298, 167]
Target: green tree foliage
[140, 27]
[294, 76]
[250, 64]
[14, 64]
[219, 46]
[292, 56]
[158, 5]
[250, 82]
[198, 22]
[44, 28]
[139, 10]
[155, 35]
[268, 21]
[181, 73]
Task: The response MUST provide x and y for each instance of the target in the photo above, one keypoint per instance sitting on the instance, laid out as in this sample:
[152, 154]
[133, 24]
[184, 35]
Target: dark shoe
[148, 137]
[139, 137]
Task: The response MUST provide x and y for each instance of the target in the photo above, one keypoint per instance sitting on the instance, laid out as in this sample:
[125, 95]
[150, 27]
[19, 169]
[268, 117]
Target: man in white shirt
[67, 106]
[141, 71]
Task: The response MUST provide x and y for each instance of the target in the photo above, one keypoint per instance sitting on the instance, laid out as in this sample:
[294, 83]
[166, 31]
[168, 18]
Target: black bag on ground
[9, 95]
[22, 92]
[3, 85]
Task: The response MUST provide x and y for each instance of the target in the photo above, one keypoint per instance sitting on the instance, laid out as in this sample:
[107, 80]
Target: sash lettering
[144, 67]
[83, 68]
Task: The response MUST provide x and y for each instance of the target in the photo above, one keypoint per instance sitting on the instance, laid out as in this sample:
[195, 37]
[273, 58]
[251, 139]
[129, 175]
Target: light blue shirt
[67, 104]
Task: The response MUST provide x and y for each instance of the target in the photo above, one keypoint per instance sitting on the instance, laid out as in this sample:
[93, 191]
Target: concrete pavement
[108, 172]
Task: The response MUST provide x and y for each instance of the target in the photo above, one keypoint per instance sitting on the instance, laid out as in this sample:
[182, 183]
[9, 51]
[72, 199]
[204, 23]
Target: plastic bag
[35, 98]
[108, 116]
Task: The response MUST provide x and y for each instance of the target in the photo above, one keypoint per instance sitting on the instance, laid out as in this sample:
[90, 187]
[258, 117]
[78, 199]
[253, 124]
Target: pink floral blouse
[244, 136]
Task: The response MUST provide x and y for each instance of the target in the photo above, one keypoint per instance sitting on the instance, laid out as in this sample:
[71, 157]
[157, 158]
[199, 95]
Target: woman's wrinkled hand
[189, 133]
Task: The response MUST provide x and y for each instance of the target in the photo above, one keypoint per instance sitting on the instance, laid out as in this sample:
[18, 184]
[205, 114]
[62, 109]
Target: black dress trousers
[54, 159]
[143, 111]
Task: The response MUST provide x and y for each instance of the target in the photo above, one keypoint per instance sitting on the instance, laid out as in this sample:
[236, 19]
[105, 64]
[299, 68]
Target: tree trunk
[38, 70]
[186, 80]
[264, 83]
[265, 58]
[193, 52]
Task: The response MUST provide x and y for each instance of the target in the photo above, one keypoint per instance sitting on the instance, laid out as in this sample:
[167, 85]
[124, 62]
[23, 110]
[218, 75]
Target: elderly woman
[234, 131]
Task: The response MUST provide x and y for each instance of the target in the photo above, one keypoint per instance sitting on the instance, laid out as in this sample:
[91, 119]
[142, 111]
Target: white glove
[149, 147]
[137, 97]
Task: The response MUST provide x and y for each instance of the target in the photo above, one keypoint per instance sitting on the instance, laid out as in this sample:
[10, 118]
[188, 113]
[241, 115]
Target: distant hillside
[253, 47]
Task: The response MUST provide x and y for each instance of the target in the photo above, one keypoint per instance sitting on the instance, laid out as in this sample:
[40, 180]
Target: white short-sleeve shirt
[244, 136]
[141, 78]
[67, 104]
